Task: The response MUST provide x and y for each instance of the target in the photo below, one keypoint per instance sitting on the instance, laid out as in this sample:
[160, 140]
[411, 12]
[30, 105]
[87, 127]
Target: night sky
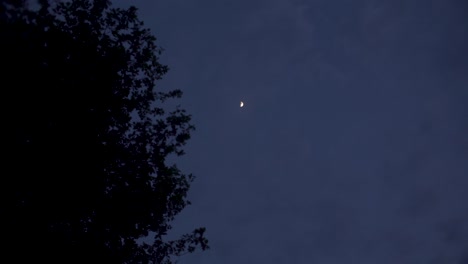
[352, 146]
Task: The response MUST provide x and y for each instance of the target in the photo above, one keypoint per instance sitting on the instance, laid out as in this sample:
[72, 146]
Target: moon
[241, 104]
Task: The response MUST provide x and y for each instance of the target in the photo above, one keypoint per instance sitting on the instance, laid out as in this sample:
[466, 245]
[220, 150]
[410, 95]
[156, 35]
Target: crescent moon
[241, 104]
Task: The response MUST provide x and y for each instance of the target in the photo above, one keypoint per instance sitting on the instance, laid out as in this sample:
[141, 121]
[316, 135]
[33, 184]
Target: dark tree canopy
[86, 138]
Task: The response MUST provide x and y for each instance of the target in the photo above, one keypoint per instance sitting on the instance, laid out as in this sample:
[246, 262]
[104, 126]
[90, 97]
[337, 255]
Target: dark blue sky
[352, 146]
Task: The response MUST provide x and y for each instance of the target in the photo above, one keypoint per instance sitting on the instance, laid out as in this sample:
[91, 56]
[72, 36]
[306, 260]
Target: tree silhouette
[86, 137]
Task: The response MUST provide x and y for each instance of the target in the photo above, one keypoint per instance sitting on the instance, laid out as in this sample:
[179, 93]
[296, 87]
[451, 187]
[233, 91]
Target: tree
[86, 137]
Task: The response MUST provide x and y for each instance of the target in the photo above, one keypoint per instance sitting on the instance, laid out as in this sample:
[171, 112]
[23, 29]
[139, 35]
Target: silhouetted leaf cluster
[86, 137]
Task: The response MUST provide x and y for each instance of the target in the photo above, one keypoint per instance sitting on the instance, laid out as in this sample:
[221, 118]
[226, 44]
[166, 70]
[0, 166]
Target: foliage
[86, 136]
